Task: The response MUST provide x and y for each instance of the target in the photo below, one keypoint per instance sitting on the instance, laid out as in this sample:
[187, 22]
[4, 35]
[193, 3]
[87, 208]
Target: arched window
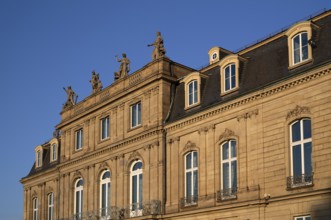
[136, 188]
[39, 158]
[300, 47]
[50, 206]
[105, 193]
[191, 178]
[301, 153]
[228, 169]
[230, 77]
[35, 209]
[78, 206]
[192, 92]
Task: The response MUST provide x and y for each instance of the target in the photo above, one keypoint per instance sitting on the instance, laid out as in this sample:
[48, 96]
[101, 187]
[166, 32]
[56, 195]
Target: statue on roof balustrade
[96, 82]
[159, 50]
[124, 67]
[71, 98]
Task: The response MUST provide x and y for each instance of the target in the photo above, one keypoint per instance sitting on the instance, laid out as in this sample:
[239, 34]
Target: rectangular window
[193, 92]
[35, 208]
[306, 217]
[79, 139]
[228, 170]
[54, 152]
[191, 179]
[50, 206]
[301, 154]
[38, 158]
[135, 115]
[230, 77]
[300, 47]
[104, 128]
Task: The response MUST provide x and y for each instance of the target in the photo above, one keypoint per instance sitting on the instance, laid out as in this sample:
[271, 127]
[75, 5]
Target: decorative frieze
[248, 115]
[297, 111]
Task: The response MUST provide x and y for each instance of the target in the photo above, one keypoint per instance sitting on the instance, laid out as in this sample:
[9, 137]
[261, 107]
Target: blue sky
[47, 45]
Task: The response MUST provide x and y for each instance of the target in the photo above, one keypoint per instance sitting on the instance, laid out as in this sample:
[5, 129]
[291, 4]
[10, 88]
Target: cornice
[108, 149]
[257, 95]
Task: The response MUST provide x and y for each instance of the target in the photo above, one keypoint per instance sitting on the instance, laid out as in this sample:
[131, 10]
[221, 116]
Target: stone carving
[124, 67]
[297, 111]
[226, 134]
[96, 82]
[189, 146]
[248, 115]
[159, 50]
[134, 155]
[71, 98]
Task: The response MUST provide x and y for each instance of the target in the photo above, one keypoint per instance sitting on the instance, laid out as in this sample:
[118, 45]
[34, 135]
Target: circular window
[214, 56]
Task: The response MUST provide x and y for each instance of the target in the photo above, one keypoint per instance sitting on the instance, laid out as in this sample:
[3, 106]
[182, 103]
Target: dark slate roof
[260, 67]
[46, 164]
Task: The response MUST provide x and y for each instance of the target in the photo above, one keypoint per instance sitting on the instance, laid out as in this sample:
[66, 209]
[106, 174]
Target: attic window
[39, 156]
[229, 76]
[192, 83]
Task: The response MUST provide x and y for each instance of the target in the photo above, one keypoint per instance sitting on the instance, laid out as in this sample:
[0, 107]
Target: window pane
[139, 114]
[188, 184]
[234, 174]
[103, 193]
[77, 201]
[226, 183]
[225, 151]
[188, 161]
[304, 53]
[296, 131]
[306, 129]
[134, 189]
[140, 188]
[195, 159]
[133, 116]
[296, 56]
[308, 158]
[195, 183]
[233, 149]
[108, 195]
[296, 42]
[297, 169]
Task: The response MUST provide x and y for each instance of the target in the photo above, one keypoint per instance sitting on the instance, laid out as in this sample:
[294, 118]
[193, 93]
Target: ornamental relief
[248, 115]
[189, 146]
[226, 135]
[297, 111]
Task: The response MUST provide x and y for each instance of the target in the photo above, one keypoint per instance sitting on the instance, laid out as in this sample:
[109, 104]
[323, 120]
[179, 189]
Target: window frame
[107, 128]
[79, 139]
[136, 208]
[105, 210]
[303, 217]
[194, 93]
[135, 110]
[35, 207]
[50, 206]
[229, 60]
[80, 200]
[39, 158]
[231, 67]
[191, 198]
[229, 193]
[301, 60]
[53, 152]
[303, 179]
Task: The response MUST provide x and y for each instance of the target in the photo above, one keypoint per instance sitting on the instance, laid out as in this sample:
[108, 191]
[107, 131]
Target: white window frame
[194, 92]
[104, 128]
[300, 142]
[50, 207]
[299, 35]
[136, 208]
[305, 217]
[79, 139]
[39, 158]
[229, 66]
[54, 152]
[105, 210]
[78, 189]
[191, 199]
[231, 158]
[35, 208]
[135, 113]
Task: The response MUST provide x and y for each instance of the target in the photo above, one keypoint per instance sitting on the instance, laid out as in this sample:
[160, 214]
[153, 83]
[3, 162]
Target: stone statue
[71, 98]
[159, 50]
[124, 67]
[96, 82]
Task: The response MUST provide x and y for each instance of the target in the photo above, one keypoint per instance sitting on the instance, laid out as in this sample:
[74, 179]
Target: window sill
[192, 106]
[300, 64]
[229, 91]
[134, 128]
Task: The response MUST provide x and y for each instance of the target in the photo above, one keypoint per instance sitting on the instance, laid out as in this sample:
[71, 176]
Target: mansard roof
[262, 64]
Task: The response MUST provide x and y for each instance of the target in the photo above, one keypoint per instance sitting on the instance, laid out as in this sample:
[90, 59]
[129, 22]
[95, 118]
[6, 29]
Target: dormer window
[54, 152]
[193, 92]
[39, 156]
[192, 83]
[229, 76]
[299, 48]
[54, 145]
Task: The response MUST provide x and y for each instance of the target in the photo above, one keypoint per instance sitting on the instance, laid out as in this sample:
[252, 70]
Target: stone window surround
[224, 63]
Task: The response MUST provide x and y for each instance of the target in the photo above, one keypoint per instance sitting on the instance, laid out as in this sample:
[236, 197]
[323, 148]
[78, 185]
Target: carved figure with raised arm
[124, 67]
[159, 50]
[71, 98]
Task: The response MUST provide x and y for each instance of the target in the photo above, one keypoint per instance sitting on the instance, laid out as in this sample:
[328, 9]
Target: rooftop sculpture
[96, 82]
[159, 50]
[124, 67]
[71, 98]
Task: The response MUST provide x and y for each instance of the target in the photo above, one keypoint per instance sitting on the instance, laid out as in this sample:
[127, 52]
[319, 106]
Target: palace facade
[246, 137]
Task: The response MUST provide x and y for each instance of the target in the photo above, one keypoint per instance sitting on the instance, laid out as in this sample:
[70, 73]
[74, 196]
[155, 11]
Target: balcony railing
[299, 181]
[152, 207]
[188, 201]
[229, 193]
